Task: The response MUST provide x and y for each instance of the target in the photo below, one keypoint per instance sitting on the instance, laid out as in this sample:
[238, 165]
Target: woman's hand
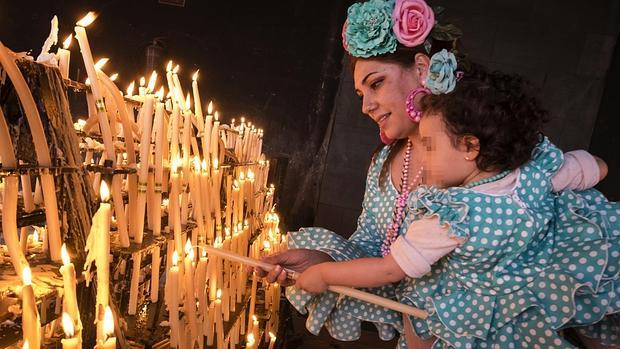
[312, 279]
[295, 259]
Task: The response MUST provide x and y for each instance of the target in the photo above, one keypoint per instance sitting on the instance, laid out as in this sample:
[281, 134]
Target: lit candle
[63, 55]
[251, 341]
[70, 341]
[219, 324]
[190, 299]
[272, 340]
[31, 323]
[173, 213]
[109, 341]
[173, 301]
[255, 327]
[70, 305]
[215, 137]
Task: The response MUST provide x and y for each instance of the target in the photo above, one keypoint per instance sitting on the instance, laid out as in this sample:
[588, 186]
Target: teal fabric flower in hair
[368, 29]
[441, 73]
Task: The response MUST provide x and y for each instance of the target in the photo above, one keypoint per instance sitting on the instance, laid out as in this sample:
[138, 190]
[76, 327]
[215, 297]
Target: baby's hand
[311, 280]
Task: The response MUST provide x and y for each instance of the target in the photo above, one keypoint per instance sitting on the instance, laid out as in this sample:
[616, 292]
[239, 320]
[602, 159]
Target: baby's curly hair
[499, 109]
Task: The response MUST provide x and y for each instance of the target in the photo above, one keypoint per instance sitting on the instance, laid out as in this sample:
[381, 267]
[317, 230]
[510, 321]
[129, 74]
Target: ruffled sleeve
[547, 157]
[453, 214]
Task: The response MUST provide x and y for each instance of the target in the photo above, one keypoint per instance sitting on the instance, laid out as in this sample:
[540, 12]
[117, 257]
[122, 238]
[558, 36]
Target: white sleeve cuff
[408, 258]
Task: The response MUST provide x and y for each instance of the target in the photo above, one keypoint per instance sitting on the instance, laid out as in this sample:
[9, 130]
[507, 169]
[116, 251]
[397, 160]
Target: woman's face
[383, 88]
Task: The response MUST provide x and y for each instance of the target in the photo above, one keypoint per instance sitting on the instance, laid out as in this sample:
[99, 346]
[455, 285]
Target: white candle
[109, 341]
[219, 324]
[272, 340]
[63, 55]
[173, 302]
[190, 299]
[132, 307]
[70, 341]
[70, 305]
[145, 149]
[31, 324]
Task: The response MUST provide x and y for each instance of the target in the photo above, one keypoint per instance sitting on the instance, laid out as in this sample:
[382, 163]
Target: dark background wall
[566, 48]
[280, 65]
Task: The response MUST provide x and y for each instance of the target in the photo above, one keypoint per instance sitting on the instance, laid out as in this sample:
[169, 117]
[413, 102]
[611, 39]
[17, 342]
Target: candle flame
[160, 94]
[104, 191]
[218, 242]
[87, 20]
[176, 69]
[130, 89]
[210, 108]
[87, 81]
[250, 339]
[195, 76]
[26, 344]
[205, 167]
[216, 164]
[35, 235]
[250, 175]
[188, 246]
[254, 318]
[187, 101]
[218, 293]
[169, 66]
[67, 42]
[173, 167]
[241, 176]
[108, 322]
[142, 81]
[67, 325]
[216, 116]
[64, 255]
[272, 336]
[197, 163]
[152, 81]
[266, 245]
[114, 76]
[27, 276]
[175, 258]
[235, 185]
[227, 232]
[100, 63]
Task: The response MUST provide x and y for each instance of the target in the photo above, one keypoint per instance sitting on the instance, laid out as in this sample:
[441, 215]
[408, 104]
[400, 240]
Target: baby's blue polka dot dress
[535, 262]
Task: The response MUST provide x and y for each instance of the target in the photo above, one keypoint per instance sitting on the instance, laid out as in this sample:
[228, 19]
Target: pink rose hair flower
[413, 21]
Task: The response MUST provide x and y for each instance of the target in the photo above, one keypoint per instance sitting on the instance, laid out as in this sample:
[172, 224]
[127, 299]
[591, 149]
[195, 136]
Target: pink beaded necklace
[401, 201]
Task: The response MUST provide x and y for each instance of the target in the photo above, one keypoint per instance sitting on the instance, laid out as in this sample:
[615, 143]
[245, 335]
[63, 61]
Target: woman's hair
[499, 109]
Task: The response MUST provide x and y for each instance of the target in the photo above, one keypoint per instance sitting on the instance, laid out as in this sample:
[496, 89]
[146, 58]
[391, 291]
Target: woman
[390, 44]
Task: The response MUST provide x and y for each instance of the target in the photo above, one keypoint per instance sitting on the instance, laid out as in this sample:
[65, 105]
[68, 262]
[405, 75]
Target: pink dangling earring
[412, 112]
[384, 138]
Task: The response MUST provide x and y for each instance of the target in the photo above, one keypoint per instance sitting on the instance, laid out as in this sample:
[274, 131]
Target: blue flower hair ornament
[368, 29]
[442, 74]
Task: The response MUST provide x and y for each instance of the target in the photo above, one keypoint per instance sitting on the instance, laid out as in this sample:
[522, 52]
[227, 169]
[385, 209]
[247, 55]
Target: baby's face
[444, 162]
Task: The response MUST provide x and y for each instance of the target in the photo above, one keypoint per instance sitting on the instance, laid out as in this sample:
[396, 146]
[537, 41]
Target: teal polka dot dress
[534, 262]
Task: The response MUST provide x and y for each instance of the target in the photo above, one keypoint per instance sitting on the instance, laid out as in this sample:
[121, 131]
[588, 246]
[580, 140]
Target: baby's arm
[580, 171]
[425, 243]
